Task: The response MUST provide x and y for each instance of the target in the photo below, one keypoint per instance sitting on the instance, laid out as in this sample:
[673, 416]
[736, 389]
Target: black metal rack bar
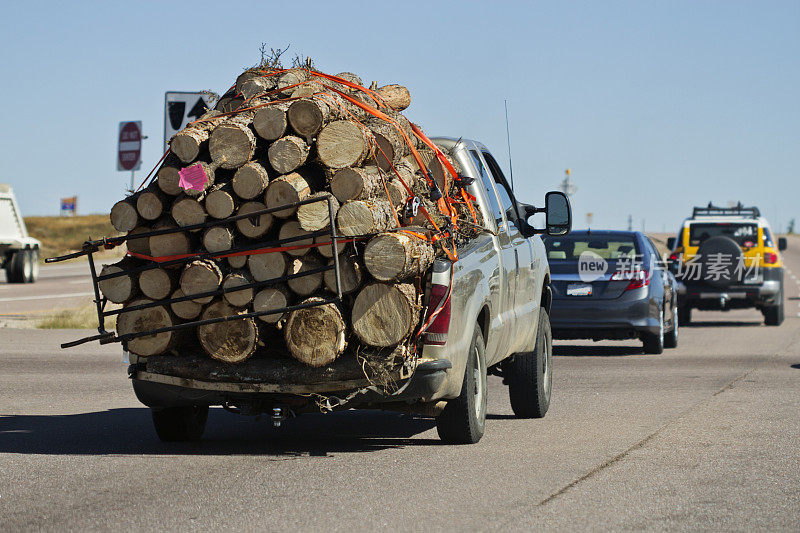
[737, 210]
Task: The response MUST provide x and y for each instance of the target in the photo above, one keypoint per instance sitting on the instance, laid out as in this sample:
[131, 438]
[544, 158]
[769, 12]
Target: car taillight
[770, 258]
[673, 257]
[436, 334]
[638, 278]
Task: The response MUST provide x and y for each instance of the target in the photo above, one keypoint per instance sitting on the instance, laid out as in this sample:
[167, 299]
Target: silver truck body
[499, 284]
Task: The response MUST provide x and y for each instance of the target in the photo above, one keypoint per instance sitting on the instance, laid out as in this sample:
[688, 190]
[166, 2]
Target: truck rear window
[570, 247]
[742, 233]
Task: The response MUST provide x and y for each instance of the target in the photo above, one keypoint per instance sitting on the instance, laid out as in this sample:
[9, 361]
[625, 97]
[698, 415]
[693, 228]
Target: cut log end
[256, 226]
[231, 341]
[124, 216]
[198, 277]
[384, 315]
[287, 154]
[270, 298]
[316, 215]
[286, 190]
[146, 320]
[341, 144]
[250, 181]
[397, 256]
[315, 335]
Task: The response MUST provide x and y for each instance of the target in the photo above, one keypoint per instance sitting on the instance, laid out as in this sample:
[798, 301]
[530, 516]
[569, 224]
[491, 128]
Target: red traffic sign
[129, 150]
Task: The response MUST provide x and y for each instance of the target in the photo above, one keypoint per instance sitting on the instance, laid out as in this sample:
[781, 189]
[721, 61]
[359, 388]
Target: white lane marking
[46, 297]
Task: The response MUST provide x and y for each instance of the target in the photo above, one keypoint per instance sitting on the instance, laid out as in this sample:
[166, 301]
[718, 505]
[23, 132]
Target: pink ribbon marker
[193, 177]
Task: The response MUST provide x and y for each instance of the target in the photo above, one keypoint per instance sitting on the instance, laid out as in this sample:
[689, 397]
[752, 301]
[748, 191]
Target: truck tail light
[770, 258]
[436, 334]
[638, 278]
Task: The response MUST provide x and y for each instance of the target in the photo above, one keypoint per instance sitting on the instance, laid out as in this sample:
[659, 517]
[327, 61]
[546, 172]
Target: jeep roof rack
[739, 210]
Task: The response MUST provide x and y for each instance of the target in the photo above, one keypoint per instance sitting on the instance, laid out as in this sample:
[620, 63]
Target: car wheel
[671, 338]
[463, 419]
[654, 342]
[180, 424]
[773, 315]
[684, 315]
[530, 375]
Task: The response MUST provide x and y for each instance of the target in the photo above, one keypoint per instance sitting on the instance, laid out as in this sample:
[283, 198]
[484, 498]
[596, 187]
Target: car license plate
[579, 289]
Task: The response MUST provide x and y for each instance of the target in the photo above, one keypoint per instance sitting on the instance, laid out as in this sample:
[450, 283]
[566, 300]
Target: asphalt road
[60, 286]
[702, 437]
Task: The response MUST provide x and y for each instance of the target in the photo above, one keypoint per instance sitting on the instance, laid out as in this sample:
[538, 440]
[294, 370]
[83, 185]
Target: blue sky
[655, 106]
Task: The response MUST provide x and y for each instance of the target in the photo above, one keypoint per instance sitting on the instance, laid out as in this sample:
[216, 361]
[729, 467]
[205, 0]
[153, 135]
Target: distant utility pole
[642, 225]
[567, 186]
[630, 222]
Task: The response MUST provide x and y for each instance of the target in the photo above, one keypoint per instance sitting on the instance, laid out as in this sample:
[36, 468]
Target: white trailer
[19, 253]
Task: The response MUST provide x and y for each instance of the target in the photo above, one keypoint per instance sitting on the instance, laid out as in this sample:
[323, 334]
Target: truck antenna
[508, 141]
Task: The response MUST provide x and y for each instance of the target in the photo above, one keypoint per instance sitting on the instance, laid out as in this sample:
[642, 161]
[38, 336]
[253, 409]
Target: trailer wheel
[463, 420]
[180, 424]
[16, 267]
[33, 261]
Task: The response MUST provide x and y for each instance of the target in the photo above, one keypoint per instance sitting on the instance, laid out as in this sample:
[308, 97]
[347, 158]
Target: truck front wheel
[463, 420]
[180, 424]
[530, 375]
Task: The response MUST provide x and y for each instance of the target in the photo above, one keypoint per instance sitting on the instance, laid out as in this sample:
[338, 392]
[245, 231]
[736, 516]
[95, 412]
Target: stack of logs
[275, 138]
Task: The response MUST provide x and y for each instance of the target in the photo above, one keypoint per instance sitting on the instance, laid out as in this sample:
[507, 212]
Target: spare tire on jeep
[721, 262]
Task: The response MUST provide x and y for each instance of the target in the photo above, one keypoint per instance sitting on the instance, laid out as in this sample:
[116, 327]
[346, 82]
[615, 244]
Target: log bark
[342, 143]
[270, 122]
[275, 297]
[286, 190]
[351, 274]
[395, 96]
[170, 243]
[240, 298]
[252, 73]
[315, 335]
[250, 181]
[356, 184]
[384, 315]
[124, 216]
[231, 341]
[146, 320]
[397, 256]
[157, 283]
[220, 203]
[139, 245]
[187, 309]
[187, 211]
[292, 229]
[218, 239]
[257, 86]
[287, 153]
[267, 266]
[151, 203]
[232, 142]
[255, 227]
[200, 276]
[308, 115]
[309, 88]
[308, 284]
[327, 249]
[361, 217]
[316, 215]
[289, 79]
[389, 144]
[348, 76]
[187, 143]
[121, 288]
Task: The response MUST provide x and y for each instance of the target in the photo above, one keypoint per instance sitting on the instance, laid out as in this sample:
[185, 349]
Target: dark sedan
[612, 285]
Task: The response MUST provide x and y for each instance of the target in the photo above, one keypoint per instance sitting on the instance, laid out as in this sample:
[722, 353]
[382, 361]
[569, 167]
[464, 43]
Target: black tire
[653, 343]
[15, 270]
[530, 375]
[33, 258]
[671, 337]
[684, 315]
[463, 420]
[180, 424]
[774, 315]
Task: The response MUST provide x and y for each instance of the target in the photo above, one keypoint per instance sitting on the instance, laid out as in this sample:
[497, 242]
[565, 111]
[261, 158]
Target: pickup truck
[19, 253]
[488, 313]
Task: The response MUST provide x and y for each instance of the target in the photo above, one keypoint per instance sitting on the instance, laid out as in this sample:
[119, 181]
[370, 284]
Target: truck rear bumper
[160, 390]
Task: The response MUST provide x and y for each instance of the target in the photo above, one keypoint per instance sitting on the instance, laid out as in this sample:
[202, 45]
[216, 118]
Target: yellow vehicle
[727, 258]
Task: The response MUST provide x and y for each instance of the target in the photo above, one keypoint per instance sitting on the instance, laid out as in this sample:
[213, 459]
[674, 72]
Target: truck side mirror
[671, 243]
[782, 244]
[558, 213]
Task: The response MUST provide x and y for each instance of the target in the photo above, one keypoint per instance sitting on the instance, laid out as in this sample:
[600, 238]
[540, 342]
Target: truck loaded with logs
[305, 247]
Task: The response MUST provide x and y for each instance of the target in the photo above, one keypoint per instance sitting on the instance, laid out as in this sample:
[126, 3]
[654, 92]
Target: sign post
[129, 147]
[180, 108]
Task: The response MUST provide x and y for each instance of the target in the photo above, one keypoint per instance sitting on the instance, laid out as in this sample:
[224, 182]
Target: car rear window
[570, 247]
[742, 233]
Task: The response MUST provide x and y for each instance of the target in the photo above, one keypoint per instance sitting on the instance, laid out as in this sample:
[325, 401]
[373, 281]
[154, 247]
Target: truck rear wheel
[463, 420]
[530, 375]
[19, 265]
[180, 424]
[33, 271]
